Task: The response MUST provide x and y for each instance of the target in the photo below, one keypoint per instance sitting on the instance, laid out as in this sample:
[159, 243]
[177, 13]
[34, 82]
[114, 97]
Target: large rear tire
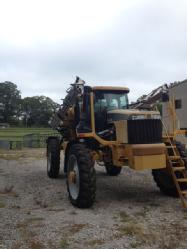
[182, 151]
[81, 177]
[53, 157]
[164, 179]
[164, 182]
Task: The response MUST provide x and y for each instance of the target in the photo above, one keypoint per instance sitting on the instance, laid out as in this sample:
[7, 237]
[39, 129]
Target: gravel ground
[129, 211]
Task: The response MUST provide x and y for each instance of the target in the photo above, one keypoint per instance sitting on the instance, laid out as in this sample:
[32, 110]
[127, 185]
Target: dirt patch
[26, 154]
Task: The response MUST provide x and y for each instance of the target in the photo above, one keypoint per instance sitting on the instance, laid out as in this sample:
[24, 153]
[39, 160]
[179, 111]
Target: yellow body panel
[121, 131]
[137, 156]
[149, 162]
[134, 112]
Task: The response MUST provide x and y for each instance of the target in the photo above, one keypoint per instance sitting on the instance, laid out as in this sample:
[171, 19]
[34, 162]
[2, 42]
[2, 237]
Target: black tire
[82, 190]
[53, 157]
[164, 182]
[112, 170]
[182, 151]
[164, 179]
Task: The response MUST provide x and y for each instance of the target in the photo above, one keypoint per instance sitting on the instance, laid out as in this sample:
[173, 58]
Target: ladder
[177, 168]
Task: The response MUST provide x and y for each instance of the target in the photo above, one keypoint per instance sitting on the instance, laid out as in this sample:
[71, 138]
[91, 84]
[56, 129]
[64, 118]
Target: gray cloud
[144, 47]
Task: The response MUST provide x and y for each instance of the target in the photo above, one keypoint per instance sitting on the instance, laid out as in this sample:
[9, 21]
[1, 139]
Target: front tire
[53, 157]
[112, 170]
[81, 177]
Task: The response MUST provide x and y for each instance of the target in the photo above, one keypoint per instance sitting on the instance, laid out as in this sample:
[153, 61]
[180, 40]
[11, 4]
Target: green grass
[64, 243]
[16, 134]
[2, 205]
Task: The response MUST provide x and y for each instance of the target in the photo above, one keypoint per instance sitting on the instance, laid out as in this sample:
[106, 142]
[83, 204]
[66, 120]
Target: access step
[174, 157]
[178, 168]
[176, 162]
[182, 179]
[184, 192]
[167, 136]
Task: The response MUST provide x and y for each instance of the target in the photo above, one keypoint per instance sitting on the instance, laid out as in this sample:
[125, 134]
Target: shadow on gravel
[132, 190]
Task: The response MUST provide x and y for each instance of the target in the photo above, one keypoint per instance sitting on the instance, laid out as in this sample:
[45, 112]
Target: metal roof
[177, 83]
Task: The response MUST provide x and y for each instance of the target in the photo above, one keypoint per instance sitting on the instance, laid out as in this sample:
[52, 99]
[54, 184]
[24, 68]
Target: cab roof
[112, 88]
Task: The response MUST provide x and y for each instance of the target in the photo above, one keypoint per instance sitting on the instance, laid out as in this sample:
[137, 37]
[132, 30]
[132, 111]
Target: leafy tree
[10, 98]
[37, 110]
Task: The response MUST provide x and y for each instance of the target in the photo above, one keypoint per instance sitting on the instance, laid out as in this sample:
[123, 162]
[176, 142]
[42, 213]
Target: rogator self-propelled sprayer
[96, 124]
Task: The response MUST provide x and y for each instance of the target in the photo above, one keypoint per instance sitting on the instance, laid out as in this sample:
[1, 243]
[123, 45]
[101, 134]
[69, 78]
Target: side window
[100, 105]
[123, 102]
[86, 109]
[178, 104]
[103, 104]
[113, 104]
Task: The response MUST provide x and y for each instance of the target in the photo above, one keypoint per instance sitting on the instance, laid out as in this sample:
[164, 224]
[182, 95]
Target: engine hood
[130, 114]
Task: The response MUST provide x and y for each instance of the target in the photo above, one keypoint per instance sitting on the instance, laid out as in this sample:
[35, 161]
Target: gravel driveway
[129, 211]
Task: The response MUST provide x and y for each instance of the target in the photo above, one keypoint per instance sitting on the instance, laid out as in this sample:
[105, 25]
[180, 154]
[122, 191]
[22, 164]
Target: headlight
[138, 117]
[152, 116]
[155, 116]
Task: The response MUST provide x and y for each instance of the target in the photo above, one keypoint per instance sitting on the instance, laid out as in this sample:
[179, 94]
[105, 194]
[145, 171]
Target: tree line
[29, 111]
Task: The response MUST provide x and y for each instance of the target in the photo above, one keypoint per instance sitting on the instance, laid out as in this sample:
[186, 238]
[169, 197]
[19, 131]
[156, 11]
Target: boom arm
[73, 94]
[151, 98]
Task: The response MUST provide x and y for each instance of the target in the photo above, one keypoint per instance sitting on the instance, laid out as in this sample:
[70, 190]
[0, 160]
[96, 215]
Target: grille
[144, 131]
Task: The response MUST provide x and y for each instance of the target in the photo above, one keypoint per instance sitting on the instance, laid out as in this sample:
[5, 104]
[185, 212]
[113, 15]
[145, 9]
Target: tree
[10, 98]
[37, 110]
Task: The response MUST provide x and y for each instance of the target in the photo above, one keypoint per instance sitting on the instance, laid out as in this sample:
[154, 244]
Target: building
[177, 93]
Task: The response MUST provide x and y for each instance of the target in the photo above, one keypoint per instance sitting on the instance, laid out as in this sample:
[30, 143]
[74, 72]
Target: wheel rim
[49, 162]
[73, 177]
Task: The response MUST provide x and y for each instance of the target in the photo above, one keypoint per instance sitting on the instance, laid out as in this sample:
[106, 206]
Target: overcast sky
[136, 43]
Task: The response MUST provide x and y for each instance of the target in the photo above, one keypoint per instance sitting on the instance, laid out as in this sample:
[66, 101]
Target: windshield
[110, 100]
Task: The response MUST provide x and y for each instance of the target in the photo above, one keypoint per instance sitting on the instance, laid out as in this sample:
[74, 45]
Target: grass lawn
[16, 134]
